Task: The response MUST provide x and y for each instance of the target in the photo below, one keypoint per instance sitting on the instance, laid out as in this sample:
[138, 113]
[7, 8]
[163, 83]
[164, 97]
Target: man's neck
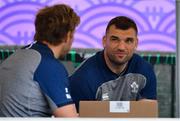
[115, 68]
[55, 49]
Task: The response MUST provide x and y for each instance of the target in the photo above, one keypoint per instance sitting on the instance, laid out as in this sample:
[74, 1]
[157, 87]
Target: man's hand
[66, 111]
[147, 100]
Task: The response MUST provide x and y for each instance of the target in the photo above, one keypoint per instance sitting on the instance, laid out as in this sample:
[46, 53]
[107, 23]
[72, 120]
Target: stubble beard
[115, 61]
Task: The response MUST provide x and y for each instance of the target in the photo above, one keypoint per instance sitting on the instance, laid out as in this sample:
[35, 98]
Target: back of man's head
[53, 23]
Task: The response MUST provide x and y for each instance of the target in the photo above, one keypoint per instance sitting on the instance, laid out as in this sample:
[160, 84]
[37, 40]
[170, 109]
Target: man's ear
[104, 41]
[137, 41]
[67, 37]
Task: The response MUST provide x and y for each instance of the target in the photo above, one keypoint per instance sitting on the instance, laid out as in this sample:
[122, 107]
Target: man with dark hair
[33, 82]
[116, 73]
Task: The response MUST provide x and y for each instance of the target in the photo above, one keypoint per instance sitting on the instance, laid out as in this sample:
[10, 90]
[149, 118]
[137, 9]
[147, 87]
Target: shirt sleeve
[53, 81]
[149, 91]
[80, 88]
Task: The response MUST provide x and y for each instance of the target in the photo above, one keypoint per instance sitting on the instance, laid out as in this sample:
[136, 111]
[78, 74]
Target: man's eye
[114, 39]
[129, 40]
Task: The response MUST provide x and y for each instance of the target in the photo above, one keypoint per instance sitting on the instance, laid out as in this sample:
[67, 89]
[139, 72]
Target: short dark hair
[53, 23]
[122, 22]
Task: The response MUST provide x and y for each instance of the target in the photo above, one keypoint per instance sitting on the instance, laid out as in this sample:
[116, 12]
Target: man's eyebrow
[130, 38]
[113, 36]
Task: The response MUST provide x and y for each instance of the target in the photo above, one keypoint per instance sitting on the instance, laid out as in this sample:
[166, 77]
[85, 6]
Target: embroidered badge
[134, 87]
[105, 96]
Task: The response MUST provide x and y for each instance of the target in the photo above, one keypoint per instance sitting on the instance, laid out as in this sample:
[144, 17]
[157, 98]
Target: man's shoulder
[88, 67]
[90, 62]
[139, 65]
[137, 57]
[140, 60]
[52, 64]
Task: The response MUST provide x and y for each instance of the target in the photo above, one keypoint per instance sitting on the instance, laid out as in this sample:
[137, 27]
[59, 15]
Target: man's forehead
[121, 35]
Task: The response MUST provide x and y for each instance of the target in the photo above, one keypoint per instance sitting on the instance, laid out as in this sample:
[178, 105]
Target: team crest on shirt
[134, 87]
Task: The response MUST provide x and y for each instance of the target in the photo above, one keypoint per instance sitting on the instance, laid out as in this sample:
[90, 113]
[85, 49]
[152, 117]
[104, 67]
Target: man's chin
[120, 61]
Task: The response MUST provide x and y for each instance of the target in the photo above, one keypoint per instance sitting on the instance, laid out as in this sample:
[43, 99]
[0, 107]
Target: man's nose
[121, 45]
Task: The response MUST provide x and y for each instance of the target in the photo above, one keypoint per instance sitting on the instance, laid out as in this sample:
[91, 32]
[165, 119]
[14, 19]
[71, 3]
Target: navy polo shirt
[93, 80]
